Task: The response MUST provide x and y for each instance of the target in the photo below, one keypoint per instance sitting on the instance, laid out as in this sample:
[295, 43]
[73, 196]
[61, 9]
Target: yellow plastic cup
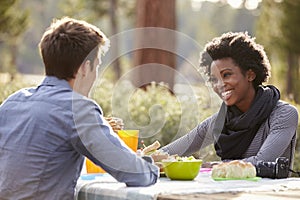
[130, 137]
[91, 168]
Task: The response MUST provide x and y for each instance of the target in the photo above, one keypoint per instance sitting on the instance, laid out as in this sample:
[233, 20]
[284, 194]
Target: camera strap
[298, 173]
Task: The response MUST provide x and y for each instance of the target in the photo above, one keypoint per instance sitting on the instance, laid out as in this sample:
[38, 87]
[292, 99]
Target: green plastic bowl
[182, 170]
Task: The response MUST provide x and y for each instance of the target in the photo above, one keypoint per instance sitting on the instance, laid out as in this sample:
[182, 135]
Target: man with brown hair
[47, 131]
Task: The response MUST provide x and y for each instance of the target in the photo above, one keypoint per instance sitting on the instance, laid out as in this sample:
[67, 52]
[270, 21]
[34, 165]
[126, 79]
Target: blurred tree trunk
[13, 61]
[292, 81]
[115, 43]
[291, 38]
[158, 62]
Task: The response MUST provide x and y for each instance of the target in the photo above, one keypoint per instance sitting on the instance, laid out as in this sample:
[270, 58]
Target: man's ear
[83, 69]
[251, 75]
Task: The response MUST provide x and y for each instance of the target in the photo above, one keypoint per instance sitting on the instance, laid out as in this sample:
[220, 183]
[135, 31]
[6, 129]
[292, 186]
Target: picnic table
[104, 186]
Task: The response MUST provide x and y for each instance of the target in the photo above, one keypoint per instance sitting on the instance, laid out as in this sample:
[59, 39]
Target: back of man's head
[67, 43]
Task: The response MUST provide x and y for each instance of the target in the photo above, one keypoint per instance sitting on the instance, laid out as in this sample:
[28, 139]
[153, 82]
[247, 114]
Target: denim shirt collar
[52, 81]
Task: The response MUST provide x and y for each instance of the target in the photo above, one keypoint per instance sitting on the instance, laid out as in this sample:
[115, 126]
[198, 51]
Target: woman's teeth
[226, 95]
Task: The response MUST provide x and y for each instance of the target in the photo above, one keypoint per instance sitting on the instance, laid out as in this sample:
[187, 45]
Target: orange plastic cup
[91, 168]
[130, 137]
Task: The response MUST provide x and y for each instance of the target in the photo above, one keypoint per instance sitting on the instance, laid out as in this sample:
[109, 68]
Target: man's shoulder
[21, 93]
[82, 102]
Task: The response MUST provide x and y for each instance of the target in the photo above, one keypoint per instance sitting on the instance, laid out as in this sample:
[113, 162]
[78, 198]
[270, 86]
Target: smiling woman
[253, 124]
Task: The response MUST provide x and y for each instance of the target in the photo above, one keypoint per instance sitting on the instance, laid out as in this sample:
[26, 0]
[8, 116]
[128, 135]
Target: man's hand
[116, 123]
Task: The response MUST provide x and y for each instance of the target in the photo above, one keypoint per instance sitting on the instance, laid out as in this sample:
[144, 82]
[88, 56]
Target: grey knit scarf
[235, 130]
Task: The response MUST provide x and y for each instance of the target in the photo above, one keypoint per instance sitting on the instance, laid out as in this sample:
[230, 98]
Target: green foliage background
[141, 108]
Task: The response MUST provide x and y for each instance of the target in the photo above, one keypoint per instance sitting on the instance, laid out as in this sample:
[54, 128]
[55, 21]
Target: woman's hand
[210, 164]
[158, 156]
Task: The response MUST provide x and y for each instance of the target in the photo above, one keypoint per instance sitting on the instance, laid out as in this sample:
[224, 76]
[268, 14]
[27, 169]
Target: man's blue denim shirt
[46, 131]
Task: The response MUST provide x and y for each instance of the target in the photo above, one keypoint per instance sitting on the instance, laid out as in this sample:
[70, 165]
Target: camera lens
[277, 169]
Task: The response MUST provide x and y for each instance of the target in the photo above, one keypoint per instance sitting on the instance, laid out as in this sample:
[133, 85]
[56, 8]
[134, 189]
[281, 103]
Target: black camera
[277, 169]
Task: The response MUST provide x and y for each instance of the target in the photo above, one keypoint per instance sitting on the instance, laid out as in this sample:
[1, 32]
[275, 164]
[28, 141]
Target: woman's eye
[226, 75]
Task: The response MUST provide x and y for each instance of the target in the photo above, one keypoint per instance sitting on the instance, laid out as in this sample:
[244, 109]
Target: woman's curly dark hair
[245, 52]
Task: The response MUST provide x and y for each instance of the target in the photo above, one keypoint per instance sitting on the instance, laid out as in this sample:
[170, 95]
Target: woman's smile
[226, 95]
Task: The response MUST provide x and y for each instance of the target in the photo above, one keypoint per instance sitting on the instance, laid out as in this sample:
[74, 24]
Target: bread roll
[234, 169]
